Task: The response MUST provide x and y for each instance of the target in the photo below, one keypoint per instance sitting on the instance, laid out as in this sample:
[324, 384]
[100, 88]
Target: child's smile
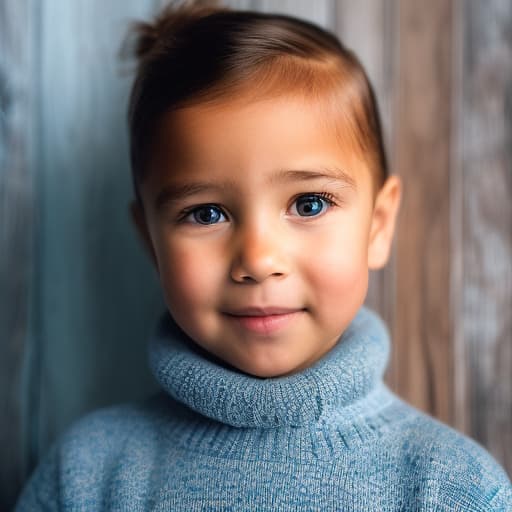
[264, 320]
[259, 218]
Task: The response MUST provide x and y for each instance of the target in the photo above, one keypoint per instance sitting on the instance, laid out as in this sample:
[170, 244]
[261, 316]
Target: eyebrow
[180, 191]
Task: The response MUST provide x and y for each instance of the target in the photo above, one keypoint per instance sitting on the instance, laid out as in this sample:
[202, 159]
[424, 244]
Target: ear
[139, 220]
[385, 211]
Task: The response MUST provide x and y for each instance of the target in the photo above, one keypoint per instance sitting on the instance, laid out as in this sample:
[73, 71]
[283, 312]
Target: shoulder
[454, 466]
[105, 434]
[109, 425]
[83, 459]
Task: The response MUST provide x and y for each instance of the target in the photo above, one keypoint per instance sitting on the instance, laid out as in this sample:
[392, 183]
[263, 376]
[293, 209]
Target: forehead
[250, 138]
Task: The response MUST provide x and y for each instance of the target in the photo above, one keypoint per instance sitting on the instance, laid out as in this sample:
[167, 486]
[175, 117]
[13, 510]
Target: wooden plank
[16, 228]
[97, 295]
[368, 28]
[423, 353]
[484, 316]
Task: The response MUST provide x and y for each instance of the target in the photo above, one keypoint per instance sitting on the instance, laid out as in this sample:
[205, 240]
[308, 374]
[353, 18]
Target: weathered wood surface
[97, 295]
[423, 353]
[442, 74]
[16, 228]
[484, 184]
[354, 22]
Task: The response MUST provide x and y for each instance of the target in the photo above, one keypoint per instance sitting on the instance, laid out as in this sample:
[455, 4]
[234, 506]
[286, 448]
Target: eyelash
[326, 196]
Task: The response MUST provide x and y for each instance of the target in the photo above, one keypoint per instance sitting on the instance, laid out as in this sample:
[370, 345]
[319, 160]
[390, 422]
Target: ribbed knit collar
[345, 375]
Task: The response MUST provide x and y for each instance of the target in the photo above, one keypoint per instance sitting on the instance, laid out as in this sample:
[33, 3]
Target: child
[263, 197]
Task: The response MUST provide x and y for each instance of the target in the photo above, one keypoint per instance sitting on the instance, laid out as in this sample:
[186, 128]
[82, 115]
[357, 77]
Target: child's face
[256, 266]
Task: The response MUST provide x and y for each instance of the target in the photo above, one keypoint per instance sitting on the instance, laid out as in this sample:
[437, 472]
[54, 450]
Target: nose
[259, 253]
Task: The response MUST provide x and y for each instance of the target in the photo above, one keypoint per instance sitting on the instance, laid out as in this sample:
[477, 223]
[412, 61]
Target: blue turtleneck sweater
[332, 437]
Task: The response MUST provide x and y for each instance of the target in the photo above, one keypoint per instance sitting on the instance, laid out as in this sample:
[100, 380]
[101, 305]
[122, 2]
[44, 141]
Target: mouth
[263, 311]
[264, 320]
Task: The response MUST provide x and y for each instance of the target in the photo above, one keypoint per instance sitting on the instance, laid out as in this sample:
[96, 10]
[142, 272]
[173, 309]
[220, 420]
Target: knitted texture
[331, 437]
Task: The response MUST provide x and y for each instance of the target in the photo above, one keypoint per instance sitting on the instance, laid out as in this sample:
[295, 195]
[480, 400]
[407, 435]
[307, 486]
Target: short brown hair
[196, 53]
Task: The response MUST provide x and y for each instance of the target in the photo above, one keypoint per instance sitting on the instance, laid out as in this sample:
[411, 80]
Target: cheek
[339, 270]
[188, 275]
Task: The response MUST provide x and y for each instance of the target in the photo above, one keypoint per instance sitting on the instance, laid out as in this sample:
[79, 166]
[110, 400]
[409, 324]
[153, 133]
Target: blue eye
[311, 205]
[207, 214]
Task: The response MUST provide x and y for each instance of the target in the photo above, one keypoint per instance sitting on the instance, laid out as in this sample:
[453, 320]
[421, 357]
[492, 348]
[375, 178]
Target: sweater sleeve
[41, 492]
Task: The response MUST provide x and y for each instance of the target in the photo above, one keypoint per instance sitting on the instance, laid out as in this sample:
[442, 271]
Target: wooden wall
[79, 298]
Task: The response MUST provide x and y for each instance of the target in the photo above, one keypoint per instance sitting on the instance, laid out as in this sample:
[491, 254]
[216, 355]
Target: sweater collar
[345, 375]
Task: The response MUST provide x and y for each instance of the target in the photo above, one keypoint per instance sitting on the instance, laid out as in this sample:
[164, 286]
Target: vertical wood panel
[16, 225]
[368, 28]
[97, 295]
[484, 319]
[422, 356]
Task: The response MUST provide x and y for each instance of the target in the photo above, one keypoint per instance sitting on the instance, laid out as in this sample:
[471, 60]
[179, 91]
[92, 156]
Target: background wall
[78, 296]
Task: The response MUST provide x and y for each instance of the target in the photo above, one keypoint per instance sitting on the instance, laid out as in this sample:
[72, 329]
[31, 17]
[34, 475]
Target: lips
[264, 321]
[263, 311]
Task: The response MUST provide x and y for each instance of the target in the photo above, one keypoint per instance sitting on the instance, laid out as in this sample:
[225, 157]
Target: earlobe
[385, 212]
[139, 220]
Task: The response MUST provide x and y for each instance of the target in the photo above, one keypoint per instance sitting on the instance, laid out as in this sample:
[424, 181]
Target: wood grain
[354, 22]
[97, 294]
[16, 228]
[423, 355]
[484, 293]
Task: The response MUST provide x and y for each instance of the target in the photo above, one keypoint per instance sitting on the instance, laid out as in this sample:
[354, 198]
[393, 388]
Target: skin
[268, 240]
